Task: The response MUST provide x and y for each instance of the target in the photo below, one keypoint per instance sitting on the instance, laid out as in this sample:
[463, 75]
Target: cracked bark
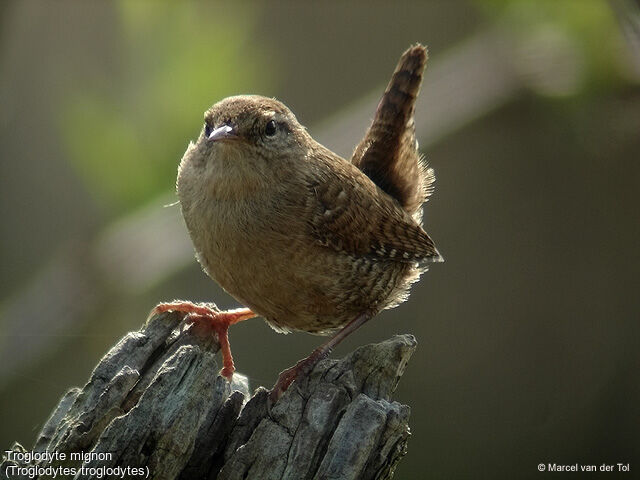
[155, 400]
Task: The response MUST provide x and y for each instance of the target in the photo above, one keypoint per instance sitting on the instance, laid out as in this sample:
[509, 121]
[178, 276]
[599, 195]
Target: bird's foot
[220, 321]
[299, 370]
[304, 367]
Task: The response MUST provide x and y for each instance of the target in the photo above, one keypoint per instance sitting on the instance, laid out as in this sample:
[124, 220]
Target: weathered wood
[156, 402]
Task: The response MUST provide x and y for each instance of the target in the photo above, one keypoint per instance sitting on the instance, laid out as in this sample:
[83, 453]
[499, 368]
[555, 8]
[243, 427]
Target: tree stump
[156, 406]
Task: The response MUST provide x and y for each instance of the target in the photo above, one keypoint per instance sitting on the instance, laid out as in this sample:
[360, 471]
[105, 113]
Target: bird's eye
[207, 129]
[270, 128]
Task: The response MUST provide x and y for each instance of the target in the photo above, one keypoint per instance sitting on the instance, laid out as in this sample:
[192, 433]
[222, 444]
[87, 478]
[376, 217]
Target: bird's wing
[350, 214]
[388, 154]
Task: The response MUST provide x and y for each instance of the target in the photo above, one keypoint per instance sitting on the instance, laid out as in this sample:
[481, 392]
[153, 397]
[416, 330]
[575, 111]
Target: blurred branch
[155, 402]
[150, 244]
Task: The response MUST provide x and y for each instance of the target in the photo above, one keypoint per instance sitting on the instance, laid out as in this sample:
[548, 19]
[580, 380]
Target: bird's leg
[219, 320]
[304, 366]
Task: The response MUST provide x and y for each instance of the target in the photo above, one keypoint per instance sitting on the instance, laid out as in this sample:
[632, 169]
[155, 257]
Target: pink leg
[304, 367]
[220, 322]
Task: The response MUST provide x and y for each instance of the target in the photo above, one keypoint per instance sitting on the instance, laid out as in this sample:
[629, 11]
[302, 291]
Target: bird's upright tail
[388, 154]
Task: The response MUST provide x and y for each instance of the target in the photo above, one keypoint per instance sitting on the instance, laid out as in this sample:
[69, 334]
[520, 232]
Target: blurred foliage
[125, 140]
[581, 39]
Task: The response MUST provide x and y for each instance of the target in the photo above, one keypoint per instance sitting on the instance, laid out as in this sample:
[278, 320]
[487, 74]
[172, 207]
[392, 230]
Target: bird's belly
[291, 288]
[293, 282]
[301, 287]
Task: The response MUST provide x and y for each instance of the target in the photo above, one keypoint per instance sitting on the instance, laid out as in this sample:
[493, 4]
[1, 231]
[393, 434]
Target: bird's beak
[222, 133]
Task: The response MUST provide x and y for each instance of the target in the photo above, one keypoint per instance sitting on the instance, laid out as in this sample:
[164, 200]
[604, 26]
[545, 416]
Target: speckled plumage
[301, 236]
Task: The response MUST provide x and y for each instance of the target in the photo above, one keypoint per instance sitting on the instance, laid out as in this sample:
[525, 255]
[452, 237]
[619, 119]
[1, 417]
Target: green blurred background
[530, 114]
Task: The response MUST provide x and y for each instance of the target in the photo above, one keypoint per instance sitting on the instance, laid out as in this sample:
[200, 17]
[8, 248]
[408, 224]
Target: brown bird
[304, 238]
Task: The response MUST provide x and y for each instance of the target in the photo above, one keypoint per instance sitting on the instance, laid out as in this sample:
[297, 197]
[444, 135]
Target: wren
[302, 237]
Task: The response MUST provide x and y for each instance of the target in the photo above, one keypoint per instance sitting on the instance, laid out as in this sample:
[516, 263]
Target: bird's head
[252, 125]
[247, 142]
